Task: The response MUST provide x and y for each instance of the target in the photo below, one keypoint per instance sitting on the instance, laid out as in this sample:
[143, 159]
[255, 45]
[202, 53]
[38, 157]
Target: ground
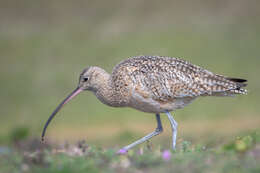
[240, 155]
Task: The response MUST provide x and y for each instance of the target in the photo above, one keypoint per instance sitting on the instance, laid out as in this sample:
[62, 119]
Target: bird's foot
[122, 151]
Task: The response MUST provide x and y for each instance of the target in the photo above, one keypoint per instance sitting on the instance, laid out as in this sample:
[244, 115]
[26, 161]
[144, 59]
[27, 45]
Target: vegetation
[240, 155]
[44, 45]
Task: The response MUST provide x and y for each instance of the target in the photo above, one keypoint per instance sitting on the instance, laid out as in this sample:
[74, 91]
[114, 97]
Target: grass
[240, 155]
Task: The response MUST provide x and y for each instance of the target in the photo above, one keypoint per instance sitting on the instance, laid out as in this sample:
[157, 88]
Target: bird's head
[90, 79]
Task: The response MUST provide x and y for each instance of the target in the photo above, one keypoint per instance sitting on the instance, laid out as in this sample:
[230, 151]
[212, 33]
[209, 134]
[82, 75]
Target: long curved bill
[66, 100]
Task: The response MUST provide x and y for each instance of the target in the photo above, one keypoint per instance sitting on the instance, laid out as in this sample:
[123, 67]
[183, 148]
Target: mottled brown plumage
[154, 84]
[169, 78]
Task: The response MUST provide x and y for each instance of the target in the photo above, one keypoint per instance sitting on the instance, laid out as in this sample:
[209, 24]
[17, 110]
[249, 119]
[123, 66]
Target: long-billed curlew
[153, 84]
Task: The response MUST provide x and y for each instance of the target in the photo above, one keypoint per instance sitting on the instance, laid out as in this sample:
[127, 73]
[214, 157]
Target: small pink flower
[122, 151]
[166, 155]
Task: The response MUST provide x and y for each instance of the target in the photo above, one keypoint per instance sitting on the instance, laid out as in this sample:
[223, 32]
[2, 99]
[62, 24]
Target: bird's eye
[85, 79]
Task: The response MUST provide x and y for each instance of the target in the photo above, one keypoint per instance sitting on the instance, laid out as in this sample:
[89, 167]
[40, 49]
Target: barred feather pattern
[167, 78]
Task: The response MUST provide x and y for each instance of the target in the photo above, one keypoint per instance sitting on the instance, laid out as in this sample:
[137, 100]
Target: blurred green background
[44, 45]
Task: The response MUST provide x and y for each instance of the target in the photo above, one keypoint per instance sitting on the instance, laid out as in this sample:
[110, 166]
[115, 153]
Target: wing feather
[167, 78]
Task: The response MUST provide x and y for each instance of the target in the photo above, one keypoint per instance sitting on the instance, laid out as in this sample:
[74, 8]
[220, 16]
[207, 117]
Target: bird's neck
[106, 92]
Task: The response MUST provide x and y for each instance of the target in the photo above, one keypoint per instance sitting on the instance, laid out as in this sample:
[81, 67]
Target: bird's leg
[157, 131]
[174, 126]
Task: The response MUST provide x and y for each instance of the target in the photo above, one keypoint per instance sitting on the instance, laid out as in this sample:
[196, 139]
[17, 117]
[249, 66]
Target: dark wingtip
[237, 80]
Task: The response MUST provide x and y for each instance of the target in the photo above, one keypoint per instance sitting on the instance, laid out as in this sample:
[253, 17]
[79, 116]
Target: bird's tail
[236, 87]
[240, 83]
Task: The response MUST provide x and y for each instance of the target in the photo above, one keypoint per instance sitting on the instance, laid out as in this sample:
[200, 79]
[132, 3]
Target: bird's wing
[166, 78]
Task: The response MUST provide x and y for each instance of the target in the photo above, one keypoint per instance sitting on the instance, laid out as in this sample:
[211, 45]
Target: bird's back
[166, 79]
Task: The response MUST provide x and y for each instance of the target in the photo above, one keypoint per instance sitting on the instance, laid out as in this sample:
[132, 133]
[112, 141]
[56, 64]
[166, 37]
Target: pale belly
[152, 106]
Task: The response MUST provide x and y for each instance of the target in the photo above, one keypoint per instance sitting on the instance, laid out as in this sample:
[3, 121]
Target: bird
[153, 84]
